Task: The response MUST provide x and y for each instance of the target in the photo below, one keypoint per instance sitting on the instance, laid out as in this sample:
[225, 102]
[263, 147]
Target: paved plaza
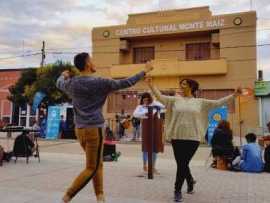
[61, 161]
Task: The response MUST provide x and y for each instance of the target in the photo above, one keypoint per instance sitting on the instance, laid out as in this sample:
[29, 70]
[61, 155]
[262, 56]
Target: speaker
[70, 126]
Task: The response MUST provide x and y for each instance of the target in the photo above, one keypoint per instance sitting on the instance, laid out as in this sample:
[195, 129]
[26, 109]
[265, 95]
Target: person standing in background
[136, 124]
[62, 128]
[141, 112]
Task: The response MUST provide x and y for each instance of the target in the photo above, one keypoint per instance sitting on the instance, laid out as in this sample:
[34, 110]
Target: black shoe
[178, 197]
[190, 189]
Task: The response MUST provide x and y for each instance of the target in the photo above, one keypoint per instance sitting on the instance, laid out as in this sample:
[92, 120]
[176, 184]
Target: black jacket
[222, 143]
[267, 158]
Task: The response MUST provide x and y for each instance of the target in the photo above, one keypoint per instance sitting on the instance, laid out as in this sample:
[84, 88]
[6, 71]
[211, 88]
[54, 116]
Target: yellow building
[217, 51]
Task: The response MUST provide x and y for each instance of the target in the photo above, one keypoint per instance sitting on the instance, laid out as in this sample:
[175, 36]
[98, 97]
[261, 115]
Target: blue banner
[39, 96]
[53, 122]
[214, 116]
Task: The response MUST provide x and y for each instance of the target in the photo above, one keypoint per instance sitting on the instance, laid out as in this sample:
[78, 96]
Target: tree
[27, 78]
[41, 79]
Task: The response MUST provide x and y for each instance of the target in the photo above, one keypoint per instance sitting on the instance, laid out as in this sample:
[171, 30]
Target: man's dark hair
[80, 60]
[193, 84]
[251, 137]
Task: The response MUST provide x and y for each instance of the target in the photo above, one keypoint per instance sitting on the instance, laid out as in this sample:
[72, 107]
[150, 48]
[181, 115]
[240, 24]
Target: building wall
[232, 61]
[7, 79]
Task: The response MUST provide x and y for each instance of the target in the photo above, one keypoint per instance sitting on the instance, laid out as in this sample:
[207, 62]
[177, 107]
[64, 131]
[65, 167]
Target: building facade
[262, 91]
[218, 51]
[8, 113]
[7, 79]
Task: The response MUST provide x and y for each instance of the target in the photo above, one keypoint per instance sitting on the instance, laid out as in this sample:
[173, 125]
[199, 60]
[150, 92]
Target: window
[198, 51]
[122, 100]
[143, 54]
[217, 94]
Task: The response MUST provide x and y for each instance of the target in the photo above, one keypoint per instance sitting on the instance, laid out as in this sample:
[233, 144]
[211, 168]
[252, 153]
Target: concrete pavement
[61, 161]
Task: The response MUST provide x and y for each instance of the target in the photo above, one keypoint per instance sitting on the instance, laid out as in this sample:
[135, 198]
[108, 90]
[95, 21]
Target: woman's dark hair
[146, 95]
[225, 127]
[193, 84]
[80, 60]
[251, 137]
[223, 124]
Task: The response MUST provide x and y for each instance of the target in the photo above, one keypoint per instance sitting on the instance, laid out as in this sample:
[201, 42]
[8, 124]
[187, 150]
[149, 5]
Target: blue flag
[53, 122]
[214, 116]
[39, 96]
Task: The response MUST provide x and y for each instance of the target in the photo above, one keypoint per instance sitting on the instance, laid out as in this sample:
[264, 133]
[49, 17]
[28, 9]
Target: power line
[62, 52]
[19, 56]
[175, 50]
[112, 52]
[84, 47]
[68, 48]
[109, 52]
[55, 50]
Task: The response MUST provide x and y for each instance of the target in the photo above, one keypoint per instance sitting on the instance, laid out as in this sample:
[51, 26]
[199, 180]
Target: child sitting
[251, 156]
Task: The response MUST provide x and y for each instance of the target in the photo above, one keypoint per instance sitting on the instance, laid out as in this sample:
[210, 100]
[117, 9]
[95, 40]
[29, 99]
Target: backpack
[23, 146]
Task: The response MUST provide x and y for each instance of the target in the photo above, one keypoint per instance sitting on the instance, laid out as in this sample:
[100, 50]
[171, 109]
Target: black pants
[121, 131]
[183, 153]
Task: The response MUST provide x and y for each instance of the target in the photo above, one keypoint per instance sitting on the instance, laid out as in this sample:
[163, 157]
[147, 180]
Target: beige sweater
[187, 118]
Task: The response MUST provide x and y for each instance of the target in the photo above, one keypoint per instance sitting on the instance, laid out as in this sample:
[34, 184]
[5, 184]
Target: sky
[66, 25]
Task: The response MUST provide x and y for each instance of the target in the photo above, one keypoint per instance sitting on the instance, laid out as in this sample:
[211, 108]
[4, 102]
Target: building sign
[106, 33]
[174, 27]
[214, 117]
[237, 21]
[53, 122]
[262, 88]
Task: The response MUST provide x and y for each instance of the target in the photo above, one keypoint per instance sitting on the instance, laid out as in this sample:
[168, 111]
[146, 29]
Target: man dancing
[88, 94]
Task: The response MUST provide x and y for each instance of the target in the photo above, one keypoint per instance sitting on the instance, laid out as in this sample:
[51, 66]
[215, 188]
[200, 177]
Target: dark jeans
[183, 153]
[121, 131]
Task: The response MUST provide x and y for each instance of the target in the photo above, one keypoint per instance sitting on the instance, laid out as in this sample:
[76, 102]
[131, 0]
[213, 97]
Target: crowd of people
[249, 157]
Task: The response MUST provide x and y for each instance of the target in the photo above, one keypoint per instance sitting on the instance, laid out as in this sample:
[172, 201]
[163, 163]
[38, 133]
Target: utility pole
[42, 54]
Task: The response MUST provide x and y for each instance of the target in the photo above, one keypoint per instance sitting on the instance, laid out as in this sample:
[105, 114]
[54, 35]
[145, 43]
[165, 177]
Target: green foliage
[41, 79]
[17, 91]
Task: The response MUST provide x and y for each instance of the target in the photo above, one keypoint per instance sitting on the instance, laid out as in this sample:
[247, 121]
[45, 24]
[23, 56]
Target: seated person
[267, 157]
[2, 123]
[251, 156]
[1, 155]
[222, 145]
[4, 156]
[23, 146]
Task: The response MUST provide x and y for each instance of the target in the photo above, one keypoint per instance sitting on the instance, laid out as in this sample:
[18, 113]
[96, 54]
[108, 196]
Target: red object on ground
[110, 142]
